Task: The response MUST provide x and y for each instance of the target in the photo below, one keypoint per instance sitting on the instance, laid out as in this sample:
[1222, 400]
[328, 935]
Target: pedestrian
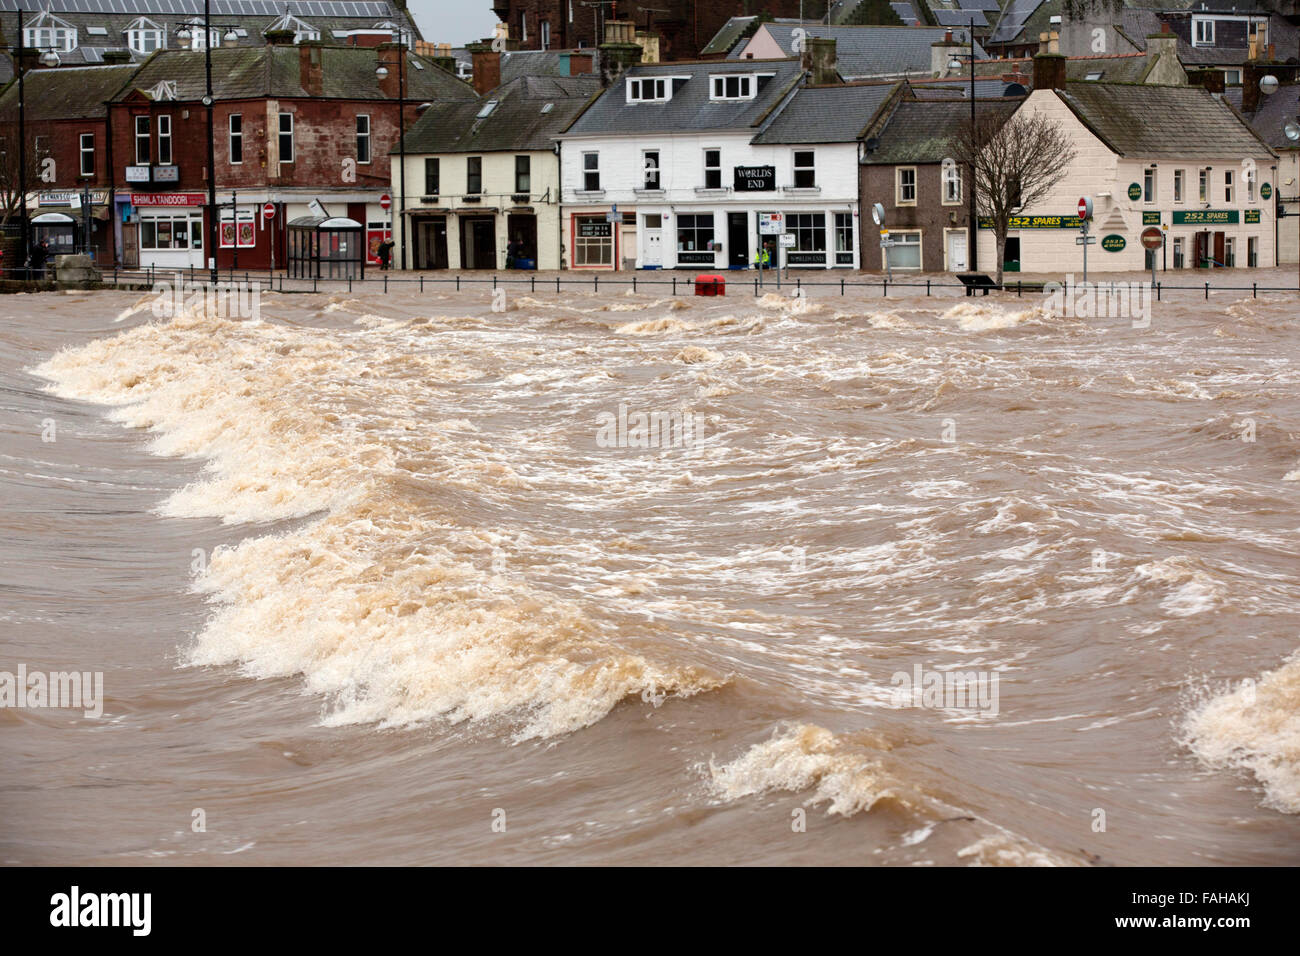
[385, 254]
[40, 253]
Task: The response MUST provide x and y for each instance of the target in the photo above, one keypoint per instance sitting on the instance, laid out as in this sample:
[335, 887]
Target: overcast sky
[453, 21]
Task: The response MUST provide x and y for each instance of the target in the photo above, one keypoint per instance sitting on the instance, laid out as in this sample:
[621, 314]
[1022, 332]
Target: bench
[977, 281]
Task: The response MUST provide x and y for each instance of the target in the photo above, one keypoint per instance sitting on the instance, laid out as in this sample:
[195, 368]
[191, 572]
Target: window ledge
[651, 193]
[589, 193]
[802, 190]
[712, 190]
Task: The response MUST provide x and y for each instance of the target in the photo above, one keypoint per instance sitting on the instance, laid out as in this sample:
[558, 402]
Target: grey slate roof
[920, 131]
[1162, 122]
[1014, 17]
[954, 88]
[516, 123]
[66, 93]
[690, 108]
[826, 114]
[907, 13]
[254, 17]
[246, 72]
[1136, 24]
[961, 18]
[540, 63]
[866, 52]
[1273, 113]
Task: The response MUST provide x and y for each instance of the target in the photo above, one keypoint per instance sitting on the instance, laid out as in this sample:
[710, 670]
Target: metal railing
[386, 282]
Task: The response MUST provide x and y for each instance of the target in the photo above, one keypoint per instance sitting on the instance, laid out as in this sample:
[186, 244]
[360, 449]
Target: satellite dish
[878, 214]
[1268, 84]
[1292, 131]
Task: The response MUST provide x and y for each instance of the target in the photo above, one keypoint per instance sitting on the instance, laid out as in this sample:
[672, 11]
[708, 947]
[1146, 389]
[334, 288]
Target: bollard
[385, 285]
[532, 283]
[633, 282]
[457, 283]
[1207, 292]
[557, 283]
[349, 285]
[884, 287]
[595, 283]
[1254, 293]
[1017, 288]
[674, 285]
[927, 288]
[421, 281]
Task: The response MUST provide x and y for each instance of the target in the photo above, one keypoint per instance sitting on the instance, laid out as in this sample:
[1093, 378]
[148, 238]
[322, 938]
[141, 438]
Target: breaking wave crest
[377, 601]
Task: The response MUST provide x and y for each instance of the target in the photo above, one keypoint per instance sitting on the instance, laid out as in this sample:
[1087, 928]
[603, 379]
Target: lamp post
[184, 33]
[22, 145]
[381, 71]
[1268, 85]
[954, 63]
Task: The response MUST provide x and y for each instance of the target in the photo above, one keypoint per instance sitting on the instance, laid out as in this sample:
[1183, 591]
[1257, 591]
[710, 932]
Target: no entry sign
[385, 202]
[1152, 237]
[1085, 207]
[268, 211]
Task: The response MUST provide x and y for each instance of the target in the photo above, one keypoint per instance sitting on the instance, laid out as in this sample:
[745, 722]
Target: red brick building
[67, 147]
[685, 26]
[294, 126]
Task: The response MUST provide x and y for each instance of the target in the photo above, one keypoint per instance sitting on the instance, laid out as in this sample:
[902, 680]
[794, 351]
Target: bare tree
[1016, 163]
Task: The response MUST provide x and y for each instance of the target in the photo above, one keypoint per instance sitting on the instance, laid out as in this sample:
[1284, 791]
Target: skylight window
[548, 107]
[487, 109]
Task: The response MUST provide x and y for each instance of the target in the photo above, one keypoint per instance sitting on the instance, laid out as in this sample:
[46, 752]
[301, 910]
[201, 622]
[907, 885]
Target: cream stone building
[1177, 157]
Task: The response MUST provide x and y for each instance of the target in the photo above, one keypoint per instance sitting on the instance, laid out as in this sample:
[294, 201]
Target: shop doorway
[431, 242]
[738, 240]
[478, 242]
[521, 228]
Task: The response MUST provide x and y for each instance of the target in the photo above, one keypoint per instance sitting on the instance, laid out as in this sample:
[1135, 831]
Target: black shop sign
[755, 179]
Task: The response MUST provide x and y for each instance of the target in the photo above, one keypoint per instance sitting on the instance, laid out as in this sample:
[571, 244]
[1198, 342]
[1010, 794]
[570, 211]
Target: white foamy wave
[1254, 727]
[844, 772]
[983, 318]
[375, 603]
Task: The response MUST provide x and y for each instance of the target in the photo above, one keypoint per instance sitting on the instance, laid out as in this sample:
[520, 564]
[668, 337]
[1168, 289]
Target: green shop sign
[1252, 215]
[1113, 243]
[1134, 191]
[1266, 191]
[1035, 222]
[1206, 217]
[1151, 219]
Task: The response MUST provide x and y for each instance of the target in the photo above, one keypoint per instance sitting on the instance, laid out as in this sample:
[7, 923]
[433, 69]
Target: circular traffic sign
[385, 202]
[1152, 237]
[268, 211]
[1085, 207]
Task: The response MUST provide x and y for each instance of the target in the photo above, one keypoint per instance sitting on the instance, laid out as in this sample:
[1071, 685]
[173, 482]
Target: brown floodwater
[403, 579]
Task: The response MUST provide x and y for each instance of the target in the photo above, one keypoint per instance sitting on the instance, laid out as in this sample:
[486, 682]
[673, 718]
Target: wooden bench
[977, 281]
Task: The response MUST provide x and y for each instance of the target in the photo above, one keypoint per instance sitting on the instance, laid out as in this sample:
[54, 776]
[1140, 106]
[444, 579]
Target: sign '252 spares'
[1035, 222]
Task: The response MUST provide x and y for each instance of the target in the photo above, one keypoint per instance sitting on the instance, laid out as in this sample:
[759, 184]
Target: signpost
[769, 224]
[1085, 216]
[1152, 239]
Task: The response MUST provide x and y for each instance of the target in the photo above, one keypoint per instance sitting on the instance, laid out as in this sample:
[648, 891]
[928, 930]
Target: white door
[652, 253]
[957, 251]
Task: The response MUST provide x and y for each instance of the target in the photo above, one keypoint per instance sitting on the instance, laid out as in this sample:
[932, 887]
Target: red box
[710, 285]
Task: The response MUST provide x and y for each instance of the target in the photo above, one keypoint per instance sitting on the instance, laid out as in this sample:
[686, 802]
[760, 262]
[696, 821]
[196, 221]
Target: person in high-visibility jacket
[762, 258]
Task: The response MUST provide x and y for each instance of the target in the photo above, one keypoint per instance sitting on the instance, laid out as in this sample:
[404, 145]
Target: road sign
[268, 211]
[787, 240]
[771, 223]
[1152, 238]
[385, 202]
[1085, 207]
[1085, 240]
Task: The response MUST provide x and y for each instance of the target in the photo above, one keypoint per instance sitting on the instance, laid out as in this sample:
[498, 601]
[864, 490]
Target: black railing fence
[149, 277]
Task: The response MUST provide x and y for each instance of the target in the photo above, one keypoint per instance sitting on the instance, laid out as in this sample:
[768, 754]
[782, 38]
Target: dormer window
[48, 32]
[649, 90]
[302, 30]
[735, 87]
[144, 36]
[1202, 31]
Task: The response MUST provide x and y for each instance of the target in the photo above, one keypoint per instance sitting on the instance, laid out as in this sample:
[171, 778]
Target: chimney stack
[309, 66]
[487, 67]
[1049, 71]
[819, 61]
[386, 55]
[1211, 79]
[619, 51]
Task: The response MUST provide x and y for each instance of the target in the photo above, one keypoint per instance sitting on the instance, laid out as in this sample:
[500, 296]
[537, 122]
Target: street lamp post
[184, 34]
[1268, 85]
[22, 144]
[973, 227]
[381, 71]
